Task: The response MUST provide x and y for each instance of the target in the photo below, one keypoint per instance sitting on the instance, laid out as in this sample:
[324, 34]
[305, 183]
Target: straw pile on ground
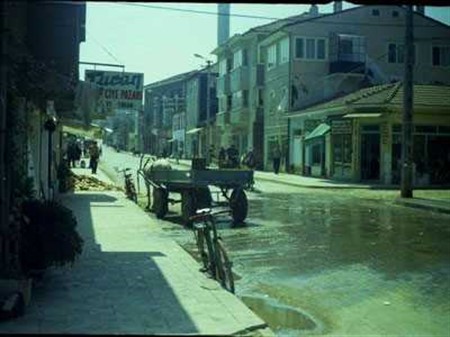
[90, 183]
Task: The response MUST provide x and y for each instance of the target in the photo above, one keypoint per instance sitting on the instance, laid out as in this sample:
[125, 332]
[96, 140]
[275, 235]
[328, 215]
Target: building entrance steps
[131, 279]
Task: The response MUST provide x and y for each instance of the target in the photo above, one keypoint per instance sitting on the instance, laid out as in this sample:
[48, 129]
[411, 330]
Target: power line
[103, 47]
[198, 11]
[288, 20]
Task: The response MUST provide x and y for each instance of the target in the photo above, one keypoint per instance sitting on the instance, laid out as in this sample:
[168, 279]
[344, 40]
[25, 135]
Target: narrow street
[333, 262]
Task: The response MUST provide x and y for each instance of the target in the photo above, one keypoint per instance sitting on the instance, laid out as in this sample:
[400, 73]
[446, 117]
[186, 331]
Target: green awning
[319, 131]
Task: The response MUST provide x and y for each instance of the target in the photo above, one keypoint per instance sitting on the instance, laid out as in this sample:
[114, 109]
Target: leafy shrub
[49, 236]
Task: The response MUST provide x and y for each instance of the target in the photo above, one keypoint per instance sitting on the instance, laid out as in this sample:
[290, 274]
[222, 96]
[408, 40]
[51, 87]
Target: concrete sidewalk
[130, 279]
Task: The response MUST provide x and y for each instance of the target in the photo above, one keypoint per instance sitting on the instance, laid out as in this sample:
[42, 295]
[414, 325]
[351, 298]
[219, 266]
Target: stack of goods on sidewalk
[89, 183]
[70, 181]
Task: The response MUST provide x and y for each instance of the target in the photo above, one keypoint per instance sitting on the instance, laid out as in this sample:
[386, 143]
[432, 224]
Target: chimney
[314, 10]
[420, 9]
[337, 6]
[223, 23]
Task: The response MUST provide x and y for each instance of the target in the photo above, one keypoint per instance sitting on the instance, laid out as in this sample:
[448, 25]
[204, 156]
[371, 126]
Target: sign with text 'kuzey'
[117, 90]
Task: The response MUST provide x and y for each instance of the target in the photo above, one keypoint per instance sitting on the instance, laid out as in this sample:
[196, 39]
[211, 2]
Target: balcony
[223, 119]
[239, 79]
[239, 117]
[223, 85]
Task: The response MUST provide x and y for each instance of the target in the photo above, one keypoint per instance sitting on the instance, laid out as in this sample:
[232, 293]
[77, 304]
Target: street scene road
[332, 262]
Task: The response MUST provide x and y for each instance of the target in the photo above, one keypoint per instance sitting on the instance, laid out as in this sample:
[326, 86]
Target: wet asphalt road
[315, 262]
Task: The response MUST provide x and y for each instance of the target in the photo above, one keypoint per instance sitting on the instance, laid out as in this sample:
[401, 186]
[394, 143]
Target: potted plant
[49, 236]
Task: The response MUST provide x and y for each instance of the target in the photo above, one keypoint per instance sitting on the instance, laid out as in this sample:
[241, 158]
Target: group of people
[74, 151]
[229, 158]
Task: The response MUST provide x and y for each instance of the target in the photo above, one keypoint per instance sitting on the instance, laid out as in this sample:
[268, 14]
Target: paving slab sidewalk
[130, 279]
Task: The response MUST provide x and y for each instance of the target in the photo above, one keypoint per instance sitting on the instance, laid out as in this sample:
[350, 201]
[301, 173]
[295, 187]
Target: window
[395, 14]
[229, 102]
[284, 50]
[222, 67]
[396, 53]
[244, 57]
[441, 56]
[375, 12]
[310, 48]
[272, 56]
[245, 98]
[260, 97]
[237, 59]
[342, 149]
[237, 100]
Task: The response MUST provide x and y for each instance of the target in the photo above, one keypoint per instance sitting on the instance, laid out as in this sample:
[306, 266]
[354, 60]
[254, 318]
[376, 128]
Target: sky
[161, 42]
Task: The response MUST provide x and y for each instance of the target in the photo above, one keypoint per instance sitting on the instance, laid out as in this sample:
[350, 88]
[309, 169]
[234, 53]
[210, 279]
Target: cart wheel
[238, 205]
[203, 198]
[187, 206]
[160, 202]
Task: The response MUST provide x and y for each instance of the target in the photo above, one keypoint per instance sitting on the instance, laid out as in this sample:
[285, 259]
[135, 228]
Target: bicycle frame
[215, 259]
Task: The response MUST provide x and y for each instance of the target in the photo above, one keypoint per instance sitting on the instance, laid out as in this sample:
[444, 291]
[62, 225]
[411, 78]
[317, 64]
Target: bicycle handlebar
[206, 213]
[124, 170]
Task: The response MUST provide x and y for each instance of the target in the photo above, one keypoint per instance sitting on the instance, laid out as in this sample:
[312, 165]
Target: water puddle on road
[282, 319]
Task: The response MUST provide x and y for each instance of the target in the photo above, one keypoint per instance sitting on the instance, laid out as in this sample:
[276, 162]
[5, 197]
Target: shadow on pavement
[108, 290]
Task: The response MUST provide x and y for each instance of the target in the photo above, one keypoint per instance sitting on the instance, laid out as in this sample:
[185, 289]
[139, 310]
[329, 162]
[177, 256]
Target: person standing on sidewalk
[94, 153]
[276, 157]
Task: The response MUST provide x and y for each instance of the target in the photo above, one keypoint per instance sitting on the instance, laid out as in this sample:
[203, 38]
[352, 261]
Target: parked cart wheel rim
[238, 205]
[160, 202]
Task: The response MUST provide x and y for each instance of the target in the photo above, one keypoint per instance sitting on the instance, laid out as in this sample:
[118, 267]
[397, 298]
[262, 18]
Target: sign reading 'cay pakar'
[117, 90]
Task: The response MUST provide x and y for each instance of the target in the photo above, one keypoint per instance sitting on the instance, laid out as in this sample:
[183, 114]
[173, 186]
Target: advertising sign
[340, 127]
[117, 90]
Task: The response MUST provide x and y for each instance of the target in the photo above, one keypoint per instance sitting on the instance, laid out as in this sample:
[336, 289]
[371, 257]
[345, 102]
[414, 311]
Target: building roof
[386, 96]
[172, 79]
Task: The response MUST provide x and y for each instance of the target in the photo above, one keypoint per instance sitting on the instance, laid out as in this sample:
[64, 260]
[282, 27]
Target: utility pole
[4, 185]
[406, 180]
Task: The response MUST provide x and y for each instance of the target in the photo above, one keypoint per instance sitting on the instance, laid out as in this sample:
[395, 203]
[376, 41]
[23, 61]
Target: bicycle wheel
[212, 265]
[224, 267]
[200, 238]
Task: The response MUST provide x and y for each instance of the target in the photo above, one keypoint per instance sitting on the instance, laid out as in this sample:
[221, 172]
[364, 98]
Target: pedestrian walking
[276, 157]
[94, 154]
[71, 154]
[222, 157]
[249, 159]
[233, 156]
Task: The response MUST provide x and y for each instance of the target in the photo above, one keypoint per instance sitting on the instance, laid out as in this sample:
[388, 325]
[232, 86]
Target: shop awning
[362, 115]
[192, 131]
[319, 131]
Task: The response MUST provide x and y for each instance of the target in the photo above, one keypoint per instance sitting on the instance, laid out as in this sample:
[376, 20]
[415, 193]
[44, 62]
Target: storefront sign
[341, 127]
[117, 90]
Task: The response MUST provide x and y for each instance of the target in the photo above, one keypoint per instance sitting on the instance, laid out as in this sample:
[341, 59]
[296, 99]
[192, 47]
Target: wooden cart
[193, 186]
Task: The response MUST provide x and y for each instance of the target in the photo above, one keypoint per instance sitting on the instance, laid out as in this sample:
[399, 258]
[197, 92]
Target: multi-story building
[240, 88]
[163, 100]
[179, 114]
[327, 56]
[291, 64]
[39, 72]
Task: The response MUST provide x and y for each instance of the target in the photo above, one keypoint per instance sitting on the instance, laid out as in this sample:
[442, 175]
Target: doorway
[370, 156]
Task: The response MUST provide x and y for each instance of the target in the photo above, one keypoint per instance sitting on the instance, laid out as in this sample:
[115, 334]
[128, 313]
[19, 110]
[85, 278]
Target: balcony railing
[223, 85]
[239, 116]
[223, 119]
[239, 79]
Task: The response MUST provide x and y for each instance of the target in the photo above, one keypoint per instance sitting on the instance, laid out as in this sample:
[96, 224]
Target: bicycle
[210, 246]
[130, 190]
